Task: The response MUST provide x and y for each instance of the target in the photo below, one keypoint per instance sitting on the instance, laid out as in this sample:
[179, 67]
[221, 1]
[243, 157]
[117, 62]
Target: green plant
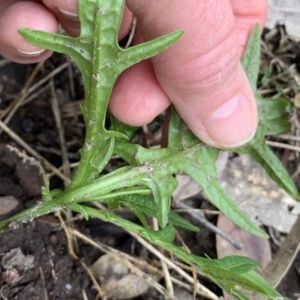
[146, 184]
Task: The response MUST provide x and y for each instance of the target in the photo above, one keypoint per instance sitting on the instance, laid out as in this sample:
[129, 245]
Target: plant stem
[98, 86]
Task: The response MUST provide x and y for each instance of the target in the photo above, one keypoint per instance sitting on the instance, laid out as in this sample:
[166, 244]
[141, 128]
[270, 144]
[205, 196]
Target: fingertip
[137, 97]
[233, 124]
[24, 15]
[233, 121]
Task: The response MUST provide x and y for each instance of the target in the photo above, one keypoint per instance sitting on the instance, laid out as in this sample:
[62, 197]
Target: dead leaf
[252, 246]
[247, 183]
[186, 188]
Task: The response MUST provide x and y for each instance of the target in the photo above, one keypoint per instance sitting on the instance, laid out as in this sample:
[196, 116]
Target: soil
[35, 258]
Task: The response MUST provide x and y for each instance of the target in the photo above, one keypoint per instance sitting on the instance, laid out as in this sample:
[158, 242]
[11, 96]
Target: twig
[200, 217]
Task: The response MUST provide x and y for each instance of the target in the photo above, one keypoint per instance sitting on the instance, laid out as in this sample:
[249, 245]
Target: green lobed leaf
[200, 165]
[219, 198]
[139, 214]
[162, 188]
[146, 204]
[237, 264]
[116, 125]
[272, 120]
[167, 234]
[262, 153]
[81, 209]
[251, 57]
[264, 287]
[101, 157]
[228, 272]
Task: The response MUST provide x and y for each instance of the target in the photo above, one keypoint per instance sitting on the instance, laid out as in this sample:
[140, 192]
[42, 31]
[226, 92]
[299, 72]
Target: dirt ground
[36, 258]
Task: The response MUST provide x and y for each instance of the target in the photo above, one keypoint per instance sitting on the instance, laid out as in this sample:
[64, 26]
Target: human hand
[201, 74]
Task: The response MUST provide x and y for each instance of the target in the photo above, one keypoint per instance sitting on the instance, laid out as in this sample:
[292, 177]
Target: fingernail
[30, 53]
[233, 123]
[69, 14]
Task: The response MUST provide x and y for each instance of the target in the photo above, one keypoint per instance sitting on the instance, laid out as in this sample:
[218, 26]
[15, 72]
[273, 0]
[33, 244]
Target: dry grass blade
[284, 146]
[132, 32]
[165, 269]
[130, 265]
[68, 233]
[287, 137]
[61, 131]
[44, 282]
[203, 291]
[26, 91]
[193, 268]
[107, 249]
[15, 104]
[32, 152]
[95, 282]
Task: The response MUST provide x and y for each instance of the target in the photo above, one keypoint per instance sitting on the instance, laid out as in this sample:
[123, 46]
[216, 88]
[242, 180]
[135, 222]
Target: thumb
[201, 73]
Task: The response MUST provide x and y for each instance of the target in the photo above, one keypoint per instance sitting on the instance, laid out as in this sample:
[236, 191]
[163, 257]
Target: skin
[201, 74]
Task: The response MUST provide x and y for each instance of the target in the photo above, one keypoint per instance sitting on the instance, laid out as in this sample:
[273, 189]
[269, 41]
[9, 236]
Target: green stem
[29, 214]
[127, 225]
[101, 187]
[98, 87]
